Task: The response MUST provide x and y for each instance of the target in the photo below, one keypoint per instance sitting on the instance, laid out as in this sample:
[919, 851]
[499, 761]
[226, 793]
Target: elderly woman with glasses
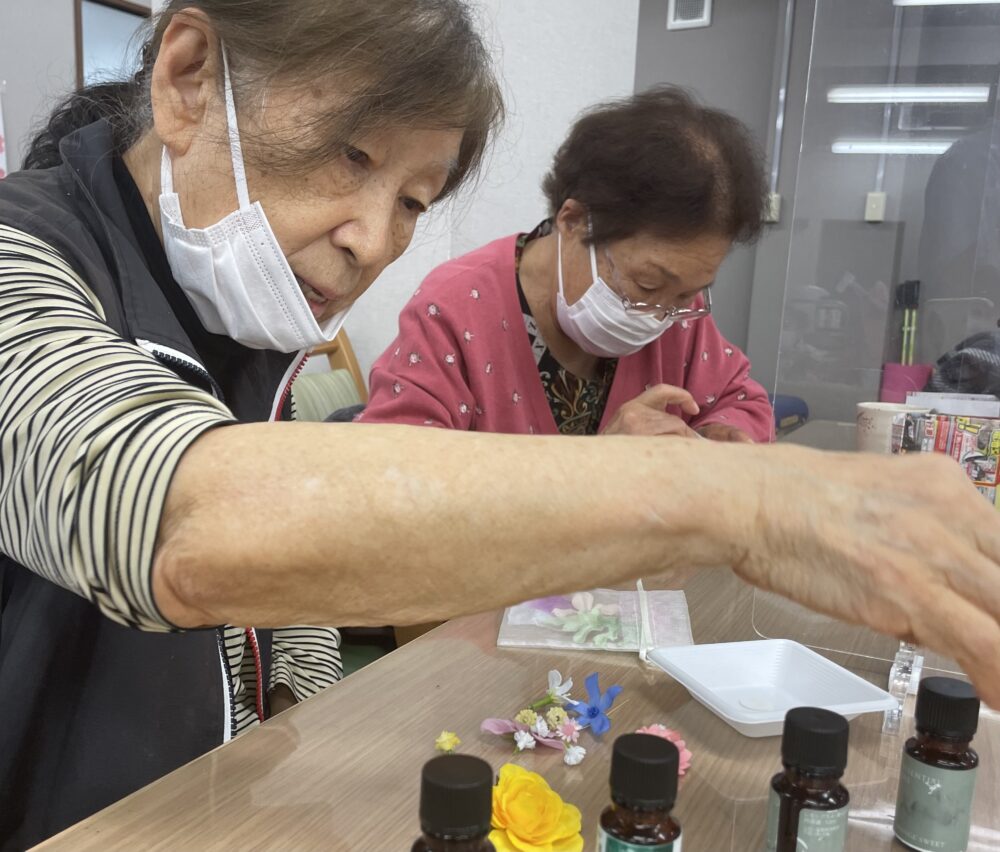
[598, 320]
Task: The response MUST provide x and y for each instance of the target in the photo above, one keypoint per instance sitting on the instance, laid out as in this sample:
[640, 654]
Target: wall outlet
[875, 207]
[773, 211]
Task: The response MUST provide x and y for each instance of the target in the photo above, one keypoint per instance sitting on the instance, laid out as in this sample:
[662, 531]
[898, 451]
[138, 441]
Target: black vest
[90, 711]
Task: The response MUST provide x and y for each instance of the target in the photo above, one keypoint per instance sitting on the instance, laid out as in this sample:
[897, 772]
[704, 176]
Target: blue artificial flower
[592, 713]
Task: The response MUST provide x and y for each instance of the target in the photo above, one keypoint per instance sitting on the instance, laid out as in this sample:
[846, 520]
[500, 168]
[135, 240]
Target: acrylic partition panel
[898, 181]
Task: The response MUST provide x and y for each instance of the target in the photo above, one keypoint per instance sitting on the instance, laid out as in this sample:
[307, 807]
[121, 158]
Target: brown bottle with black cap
[938, 776]
[456, 803]
[643, 791]
[808, 804]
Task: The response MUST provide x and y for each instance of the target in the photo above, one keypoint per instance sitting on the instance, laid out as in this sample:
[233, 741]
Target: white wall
[556, 58]
[38, 61]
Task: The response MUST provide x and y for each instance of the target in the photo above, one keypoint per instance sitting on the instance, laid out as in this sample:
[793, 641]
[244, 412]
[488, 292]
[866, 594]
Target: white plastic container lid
[751, 685]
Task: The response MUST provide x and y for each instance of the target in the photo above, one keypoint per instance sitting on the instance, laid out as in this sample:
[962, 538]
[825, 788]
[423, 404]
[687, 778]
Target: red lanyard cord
[252, 638]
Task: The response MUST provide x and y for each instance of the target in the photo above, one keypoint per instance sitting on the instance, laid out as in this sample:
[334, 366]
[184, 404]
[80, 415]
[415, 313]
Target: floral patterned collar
[577, 404]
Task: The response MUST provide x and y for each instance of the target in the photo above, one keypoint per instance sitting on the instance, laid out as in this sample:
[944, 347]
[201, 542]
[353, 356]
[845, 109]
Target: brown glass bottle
[807, 800]
[938, 774]
[456, 803]
[643, 791]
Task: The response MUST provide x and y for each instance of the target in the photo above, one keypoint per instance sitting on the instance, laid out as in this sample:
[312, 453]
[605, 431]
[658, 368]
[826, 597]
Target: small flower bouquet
[555, 720]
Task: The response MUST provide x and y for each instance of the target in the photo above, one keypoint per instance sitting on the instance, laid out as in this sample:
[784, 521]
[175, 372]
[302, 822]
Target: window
[107, 46]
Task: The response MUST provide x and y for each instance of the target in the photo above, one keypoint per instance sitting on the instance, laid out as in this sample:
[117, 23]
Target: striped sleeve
[305, 659]
[91, 430]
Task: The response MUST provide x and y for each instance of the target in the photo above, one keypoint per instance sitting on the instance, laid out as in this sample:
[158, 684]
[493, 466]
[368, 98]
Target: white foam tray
[751, 685]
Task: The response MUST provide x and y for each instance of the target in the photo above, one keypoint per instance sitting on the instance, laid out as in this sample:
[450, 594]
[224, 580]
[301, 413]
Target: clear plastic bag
[599, 620]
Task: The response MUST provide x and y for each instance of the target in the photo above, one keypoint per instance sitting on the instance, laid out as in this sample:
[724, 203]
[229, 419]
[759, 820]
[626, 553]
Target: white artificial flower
[523, 740]
[574, 754]
[559, 691]
[541, 728]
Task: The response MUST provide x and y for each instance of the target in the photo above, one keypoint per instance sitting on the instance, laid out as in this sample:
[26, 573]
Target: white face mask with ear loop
[234, 272]
[598, 322]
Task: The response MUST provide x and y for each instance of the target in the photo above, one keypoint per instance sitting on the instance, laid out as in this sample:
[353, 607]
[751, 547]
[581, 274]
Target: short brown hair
[660, 162]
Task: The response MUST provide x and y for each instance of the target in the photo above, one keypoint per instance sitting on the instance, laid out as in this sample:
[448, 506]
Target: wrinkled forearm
[271, 524]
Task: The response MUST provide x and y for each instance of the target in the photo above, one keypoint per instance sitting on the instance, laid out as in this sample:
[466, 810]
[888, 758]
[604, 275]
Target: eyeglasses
[663, 312]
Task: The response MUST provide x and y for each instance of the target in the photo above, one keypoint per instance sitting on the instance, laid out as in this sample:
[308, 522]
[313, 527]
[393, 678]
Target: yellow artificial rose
[529, 816]
[447, 741]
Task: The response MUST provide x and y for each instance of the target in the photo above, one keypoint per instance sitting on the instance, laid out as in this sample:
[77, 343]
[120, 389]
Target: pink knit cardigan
[463, 360]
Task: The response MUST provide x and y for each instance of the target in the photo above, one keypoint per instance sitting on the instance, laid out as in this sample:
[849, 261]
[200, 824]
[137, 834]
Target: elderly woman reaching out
[176, 240]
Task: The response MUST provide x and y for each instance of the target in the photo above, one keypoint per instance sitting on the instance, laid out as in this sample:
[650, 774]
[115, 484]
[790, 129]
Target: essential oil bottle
[643, 791]
[938, 774]
[807, 803]
[456, 803]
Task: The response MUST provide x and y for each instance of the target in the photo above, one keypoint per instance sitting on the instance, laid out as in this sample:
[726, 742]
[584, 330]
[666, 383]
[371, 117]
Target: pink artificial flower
[675, 738]
[569, 731]
[501, 726]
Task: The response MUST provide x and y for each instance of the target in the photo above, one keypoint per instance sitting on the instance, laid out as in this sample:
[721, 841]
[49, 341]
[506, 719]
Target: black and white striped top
[91, 430]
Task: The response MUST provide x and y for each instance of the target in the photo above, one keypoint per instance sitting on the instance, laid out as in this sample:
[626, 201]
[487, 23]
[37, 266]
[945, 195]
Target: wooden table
[341, 772]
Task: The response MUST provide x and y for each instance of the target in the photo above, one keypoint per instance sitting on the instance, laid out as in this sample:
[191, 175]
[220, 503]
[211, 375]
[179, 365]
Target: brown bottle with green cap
[808, 804]
[937, 778]
[456, 804]
[643, 791]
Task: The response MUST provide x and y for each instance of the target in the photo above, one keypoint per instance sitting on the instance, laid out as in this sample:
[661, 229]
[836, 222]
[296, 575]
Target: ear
[185, 79]
[573, 220]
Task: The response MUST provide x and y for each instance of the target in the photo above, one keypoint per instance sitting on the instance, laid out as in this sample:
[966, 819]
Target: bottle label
[607, 843]
[934, 806]
[819, 831]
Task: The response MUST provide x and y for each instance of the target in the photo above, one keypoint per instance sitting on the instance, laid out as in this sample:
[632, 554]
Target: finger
[660, 396]
[977, 578]
[667, 424]
[722, 432]
[633, 419]
[955, 627]
[973, 562]
[987, 536]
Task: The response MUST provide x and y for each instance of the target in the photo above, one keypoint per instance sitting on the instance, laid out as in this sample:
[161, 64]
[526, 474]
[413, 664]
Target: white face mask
[234, 272]
[598, 323]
